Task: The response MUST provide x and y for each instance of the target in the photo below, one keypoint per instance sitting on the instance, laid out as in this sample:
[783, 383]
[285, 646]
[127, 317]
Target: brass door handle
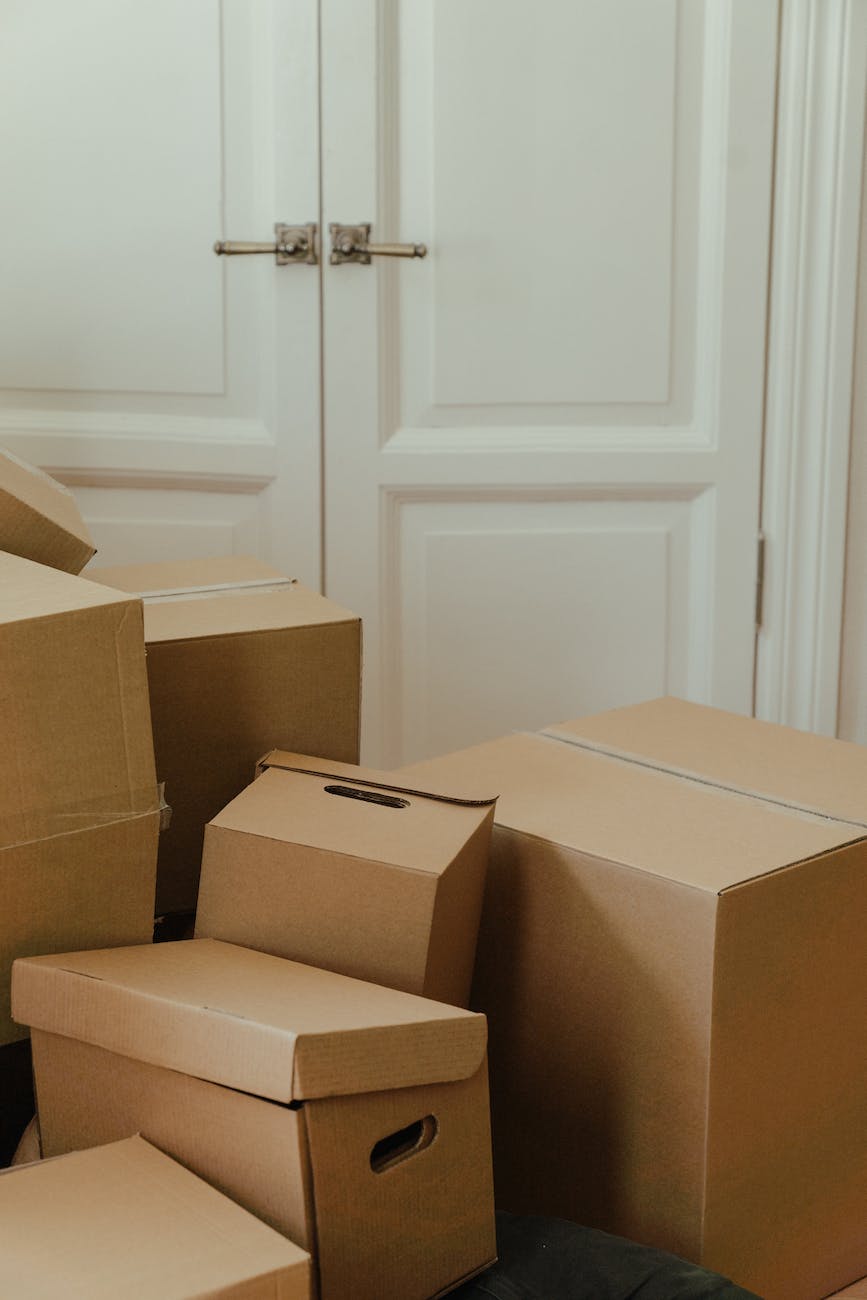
[291, 244]
[352, 244]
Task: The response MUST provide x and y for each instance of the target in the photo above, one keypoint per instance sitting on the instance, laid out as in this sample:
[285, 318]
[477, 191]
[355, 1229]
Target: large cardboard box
[79, 807]
[125, 1220]
[329, 864]
[241, 660]
[350, 1117]
[39, 518]
[672, 961]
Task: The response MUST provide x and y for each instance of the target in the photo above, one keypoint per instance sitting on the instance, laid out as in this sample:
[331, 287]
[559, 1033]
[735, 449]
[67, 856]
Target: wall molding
[817, 195]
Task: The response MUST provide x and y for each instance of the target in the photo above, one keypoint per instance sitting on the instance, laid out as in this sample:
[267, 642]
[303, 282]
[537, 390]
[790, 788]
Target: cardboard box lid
[126, 1220]
[794, 768]
[39, 517]
[355, 811]
[186, 600]
[654, 821]
[29, 591]
[256, 1023]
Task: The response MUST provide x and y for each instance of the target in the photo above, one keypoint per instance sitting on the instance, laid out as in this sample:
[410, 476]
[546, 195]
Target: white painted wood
[823, 66]
[543, 441]
[131, 358]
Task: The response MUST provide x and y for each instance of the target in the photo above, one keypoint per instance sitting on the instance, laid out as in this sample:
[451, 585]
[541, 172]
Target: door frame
[810, 361]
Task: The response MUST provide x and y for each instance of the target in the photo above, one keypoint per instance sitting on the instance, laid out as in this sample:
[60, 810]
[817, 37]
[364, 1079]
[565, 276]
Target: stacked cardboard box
[671, 958]
[39, 519]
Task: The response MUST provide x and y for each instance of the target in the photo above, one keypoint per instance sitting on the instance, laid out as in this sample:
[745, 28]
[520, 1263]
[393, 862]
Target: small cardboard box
[39, 519]
[350, 1117]
[79, 806]
[125, 1220]
[331, 865]
[240, 660]
[672, 961]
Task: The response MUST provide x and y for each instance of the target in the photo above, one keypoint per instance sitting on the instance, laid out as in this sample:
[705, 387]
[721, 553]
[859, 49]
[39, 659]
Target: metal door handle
[291, 244]
[352, 244]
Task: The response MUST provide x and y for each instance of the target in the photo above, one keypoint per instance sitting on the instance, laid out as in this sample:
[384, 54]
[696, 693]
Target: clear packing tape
[48, 822]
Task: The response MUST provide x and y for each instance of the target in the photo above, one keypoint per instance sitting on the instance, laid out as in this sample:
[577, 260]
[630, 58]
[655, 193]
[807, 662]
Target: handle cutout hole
[368, 796]
[390, 1151]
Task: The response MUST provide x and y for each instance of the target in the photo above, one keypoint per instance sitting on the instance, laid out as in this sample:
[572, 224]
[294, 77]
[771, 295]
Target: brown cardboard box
[240, 659]
[125, 1220]
[351, 1117]
[675, 979]
[79, 807]
[330, 865]
[39, 519]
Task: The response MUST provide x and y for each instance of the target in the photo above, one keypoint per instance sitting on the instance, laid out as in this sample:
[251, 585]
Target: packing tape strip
[83, 815]
[255, 586]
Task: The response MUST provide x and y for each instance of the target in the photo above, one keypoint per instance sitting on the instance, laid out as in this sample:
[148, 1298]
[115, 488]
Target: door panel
[173, 389]
[543, 441]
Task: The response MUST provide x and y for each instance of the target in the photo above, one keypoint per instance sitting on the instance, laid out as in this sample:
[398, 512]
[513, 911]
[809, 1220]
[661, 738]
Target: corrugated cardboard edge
[686, 774]
[304, 765]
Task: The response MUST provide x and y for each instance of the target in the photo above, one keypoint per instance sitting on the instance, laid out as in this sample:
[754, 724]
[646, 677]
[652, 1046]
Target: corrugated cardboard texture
[125, 1220]
[232, 675]
[386, 892]
[39, 519]
[250, 1149]
[89, 888]
[674, 980]
[794, 767]
[271, 1027]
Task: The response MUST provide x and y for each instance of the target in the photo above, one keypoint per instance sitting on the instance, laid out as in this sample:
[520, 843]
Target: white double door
[531, 460]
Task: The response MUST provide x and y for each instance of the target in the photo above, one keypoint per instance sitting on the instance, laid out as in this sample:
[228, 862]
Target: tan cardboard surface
[423, 835]
[175, 575]
[39, 518]
[651, 821]
[812, 772]
[231, 675]
[368, 776]
[125, 1220]
[857, 1291]
[247, 1020]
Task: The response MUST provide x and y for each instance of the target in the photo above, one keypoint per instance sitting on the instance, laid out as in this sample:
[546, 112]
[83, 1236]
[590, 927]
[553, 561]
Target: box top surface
[780, 764]
[259, 1024]
[124, 1219]
[187, 600]
[30, 591]
[348, 815]
[692, 834]
[39, 492]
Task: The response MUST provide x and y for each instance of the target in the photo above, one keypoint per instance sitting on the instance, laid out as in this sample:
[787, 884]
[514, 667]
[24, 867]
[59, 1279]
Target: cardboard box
[240, 660]
[39, 519]
[330, 865]
[675, 976]
[79, 806]
[125, 1220]
[350, 1117]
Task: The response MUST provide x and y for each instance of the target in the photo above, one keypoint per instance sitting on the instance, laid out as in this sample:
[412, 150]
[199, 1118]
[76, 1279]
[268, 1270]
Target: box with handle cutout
[350, 1117]
[334, 865]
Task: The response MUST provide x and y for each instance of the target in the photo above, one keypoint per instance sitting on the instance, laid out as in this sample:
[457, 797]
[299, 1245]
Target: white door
[542, 442]
[177, 392]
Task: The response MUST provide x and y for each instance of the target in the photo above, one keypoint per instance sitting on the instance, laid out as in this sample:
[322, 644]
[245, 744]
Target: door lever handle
[352, 244]
[291, 244]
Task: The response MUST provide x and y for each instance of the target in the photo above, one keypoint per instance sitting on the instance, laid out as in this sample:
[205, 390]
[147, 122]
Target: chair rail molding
[817, 194]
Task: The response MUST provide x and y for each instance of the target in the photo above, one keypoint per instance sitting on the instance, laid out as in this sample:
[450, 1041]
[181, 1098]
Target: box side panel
[88, 889]
[455, 924]
[360, 918]
[414, 1226]
[219, 705]
[596, 981]
[787, 1177]
[252, 1150]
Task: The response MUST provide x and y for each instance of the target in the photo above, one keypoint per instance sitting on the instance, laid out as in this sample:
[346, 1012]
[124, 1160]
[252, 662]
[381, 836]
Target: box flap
[186, 600]
[794, 768]
[29, 590]
[39, 517]
[252, 1022]
[369, 777]
[651, 820]
[126, 1220]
